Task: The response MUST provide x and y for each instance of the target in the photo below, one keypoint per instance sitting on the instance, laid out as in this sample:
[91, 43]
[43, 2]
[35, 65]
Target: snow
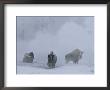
[70, 68]
[60, 35]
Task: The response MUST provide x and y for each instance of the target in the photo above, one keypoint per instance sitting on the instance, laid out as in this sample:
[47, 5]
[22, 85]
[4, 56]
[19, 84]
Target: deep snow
[60, 34]
[34, 68]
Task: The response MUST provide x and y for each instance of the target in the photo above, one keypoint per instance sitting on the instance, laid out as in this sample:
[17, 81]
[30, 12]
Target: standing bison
[74, 56]
[52, 59]
[28, 57]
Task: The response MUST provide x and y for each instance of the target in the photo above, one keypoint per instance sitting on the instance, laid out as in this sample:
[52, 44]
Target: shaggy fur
[74, 56]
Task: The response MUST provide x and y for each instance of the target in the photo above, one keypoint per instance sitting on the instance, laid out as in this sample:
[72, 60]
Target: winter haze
[60, 34]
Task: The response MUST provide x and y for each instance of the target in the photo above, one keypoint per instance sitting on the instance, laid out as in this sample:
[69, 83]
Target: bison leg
[53, 65]
[50, 65]
[74, 62]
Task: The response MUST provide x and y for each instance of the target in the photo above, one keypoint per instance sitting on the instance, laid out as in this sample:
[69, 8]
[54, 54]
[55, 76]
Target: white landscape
[35, 68]
[60, 35]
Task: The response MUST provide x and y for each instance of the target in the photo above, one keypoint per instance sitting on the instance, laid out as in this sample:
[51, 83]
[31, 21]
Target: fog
[58, 34]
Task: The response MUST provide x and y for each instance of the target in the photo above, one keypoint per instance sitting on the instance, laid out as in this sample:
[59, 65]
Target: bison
[74, 56]
[52, 59]
[28, 57]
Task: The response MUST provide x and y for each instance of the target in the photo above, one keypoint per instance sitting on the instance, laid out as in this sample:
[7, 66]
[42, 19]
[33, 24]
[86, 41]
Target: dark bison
[28, 57]
[52, 59]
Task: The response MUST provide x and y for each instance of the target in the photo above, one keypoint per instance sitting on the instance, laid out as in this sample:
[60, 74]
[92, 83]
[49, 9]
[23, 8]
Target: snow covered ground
[60, 35]
[34, 68]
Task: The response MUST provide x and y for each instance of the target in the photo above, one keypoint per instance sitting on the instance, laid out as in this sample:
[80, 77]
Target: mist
[58, 34]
